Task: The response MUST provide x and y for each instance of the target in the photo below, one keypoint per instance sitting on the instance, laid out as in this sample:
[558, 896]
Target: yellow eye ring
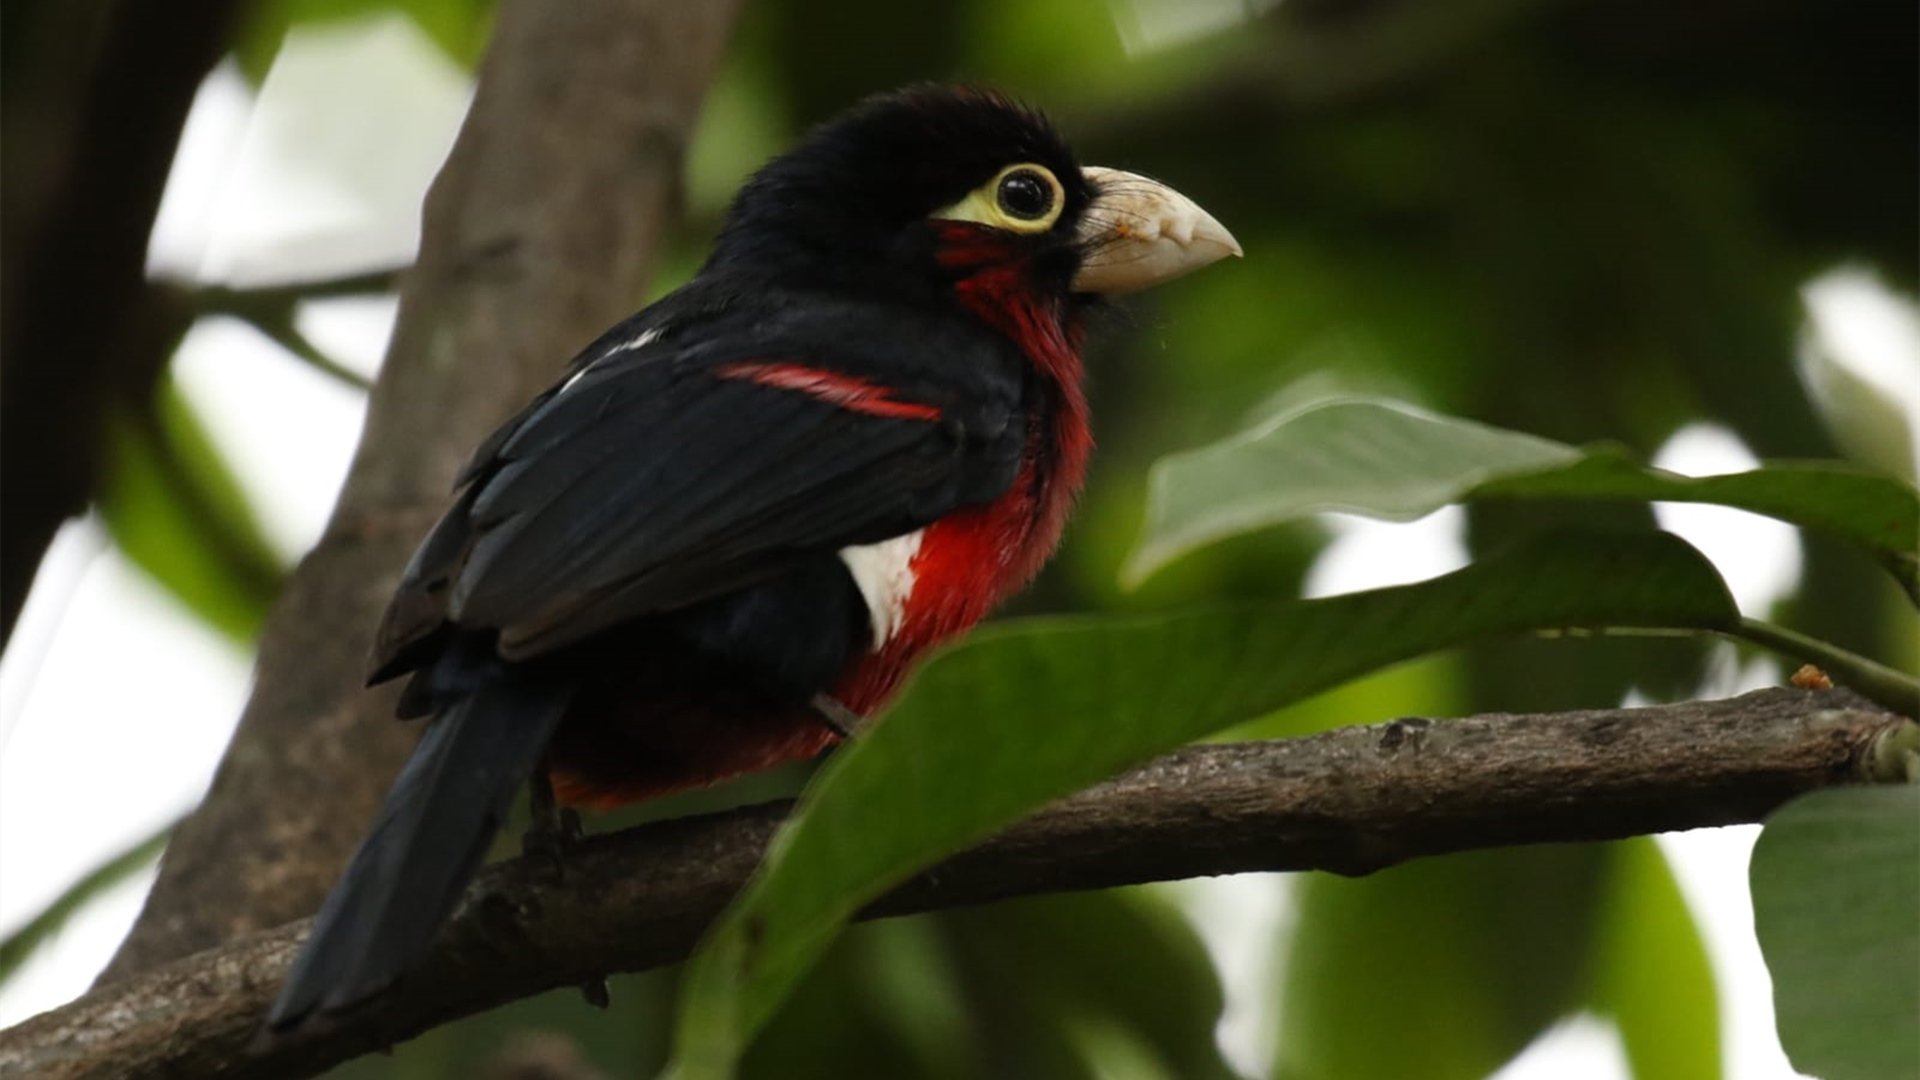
[1023, 198]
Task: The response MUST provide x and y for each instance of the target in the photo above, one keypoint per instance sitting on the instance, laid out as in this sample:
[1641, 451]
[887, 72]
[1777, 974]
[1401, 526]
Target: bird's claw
[554, 830]
[596, 993]
[844, 721]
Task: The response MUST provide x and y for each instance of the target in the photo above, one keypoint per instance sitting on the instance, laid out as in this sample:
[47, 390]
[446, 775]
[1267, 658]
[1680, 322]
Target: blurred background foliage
[1592, 221]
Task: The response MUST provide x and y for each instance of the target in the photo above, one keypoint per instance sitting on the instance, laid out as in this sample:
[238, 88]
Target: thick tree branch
[538, 233]
[1351, 801]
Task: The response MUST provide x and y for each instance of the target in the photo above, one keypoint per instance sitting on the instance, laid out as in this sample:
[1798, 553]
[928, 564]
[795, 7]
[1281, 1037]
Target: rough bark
[1351, 801]
[538, 233]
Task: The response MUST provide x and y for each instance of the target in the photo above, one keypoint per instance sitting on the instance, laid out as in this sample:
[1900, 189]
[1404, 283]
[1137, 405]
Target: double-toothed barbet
[732, 527]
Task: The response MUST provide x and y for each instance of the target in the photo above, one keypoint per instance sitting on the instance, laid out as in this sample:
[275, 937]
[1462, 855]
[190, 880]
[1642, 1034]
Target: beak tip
[1161, 234]
[1210, 230]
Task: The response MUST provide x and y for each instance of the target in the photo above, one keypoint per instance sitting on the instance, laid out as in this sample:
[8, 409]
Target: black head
[854, 205]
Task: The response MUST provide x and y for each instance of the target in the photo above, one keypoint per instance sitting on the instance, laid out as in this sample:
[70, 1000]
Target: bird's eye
[1025, 194]
[1023, 198]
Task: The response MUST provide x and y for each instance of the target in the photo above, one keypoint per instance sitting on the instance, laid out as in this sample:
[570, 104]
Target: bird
[723, 537]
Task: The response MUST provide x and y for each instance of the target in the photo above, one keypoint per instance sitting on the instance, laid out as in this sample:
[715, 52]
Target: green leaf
[1118, 976]
[22, 942]
[1449, 967]
[1392, 461]
[1353, 456]
[175, 509]
[883, 1001]
[1028, 987]
[1027, 712]
[1429, 686]
[1836, 905]
[458, 27]
[628, 1038]
[1443, 968]
[1650, 969]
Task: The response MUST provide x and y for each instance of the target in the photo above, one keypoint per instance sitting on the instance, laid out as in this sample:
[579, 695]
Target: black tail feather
[430, 839]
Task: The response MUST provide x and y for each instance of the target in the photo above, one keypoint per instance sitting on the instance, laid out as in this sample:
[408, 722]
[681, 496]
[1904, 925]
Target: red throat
[971, 560]
[1001, 293]
[996, 286]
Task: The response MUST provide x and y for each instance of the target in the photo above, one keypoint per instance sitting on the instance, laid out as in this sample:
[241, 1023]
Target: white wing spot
[883, 572]
[640, 341]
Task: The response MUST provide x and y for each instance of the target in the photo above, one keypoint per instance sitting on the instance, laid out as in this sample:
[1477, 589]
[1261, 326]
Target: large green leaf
[175, 509]
[1650, 971]
[1836, 905]
[1028, 712]
[1388, 460]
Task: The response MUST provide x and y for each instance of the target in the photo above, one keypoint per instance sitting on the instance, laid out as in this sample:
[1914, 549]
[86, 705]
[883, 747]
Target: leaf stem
[286, 295]
[1905, 568]
[1871, 679]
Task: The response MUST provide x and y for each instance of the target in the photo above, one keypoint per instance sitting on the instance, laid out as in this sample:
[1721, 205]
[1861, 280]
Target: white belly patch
[883, 572]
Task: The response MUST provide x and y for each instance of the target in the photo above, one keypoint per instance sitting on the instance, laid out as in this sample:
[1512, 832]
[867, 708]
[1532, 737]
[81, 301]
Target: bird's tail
[429, 840]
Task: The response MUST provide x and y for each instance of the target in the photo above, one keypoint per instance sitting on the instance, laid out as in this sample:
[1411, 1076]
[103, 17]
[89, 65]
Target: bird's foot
[554, 830]
[596, 993]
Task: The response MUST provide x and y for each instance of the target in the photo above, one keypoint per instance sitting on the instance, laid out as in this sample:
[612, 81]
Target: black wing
[706, 459]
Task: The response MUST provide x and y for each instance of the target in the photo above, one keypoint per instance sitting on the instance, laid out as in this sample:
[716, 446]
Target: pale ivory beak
[1139, 232]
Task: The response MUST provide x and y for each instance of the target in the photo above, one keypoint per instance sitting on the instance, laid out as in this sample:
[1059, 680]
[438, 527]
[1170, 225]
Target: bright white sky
[115, 704]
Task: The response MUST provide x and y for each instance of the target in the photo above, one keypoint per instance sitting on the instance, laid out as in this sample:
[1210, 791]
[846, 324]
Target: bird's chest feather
[924, 588]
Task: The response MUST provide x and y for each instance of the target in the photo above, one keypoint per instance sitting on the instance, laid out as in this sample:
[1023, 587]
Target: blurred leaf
[1449, 967]
[1117, 979]
[1091, 986]
[458, 27]
[1836, 892]
[882, 1002]
[1443, 968]
[1428, 686]
[1650, 969]
[1870, 424]
[173, 506]
[1027, 712]
[1388, 460]
[22, 942]
[626, 1039]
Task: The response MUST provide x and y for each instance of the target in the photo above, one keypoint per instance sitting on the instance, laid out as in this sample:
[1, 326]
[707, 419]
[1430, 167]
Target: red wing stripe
[843, 391]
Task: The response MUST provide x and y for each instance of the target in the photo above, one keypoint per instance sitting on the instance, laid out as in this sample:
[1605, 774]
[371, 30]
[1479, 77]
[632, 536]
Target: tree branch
[244, 300]
[273, 310]
[281, 329]
[539, 232]
[1352, 801]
